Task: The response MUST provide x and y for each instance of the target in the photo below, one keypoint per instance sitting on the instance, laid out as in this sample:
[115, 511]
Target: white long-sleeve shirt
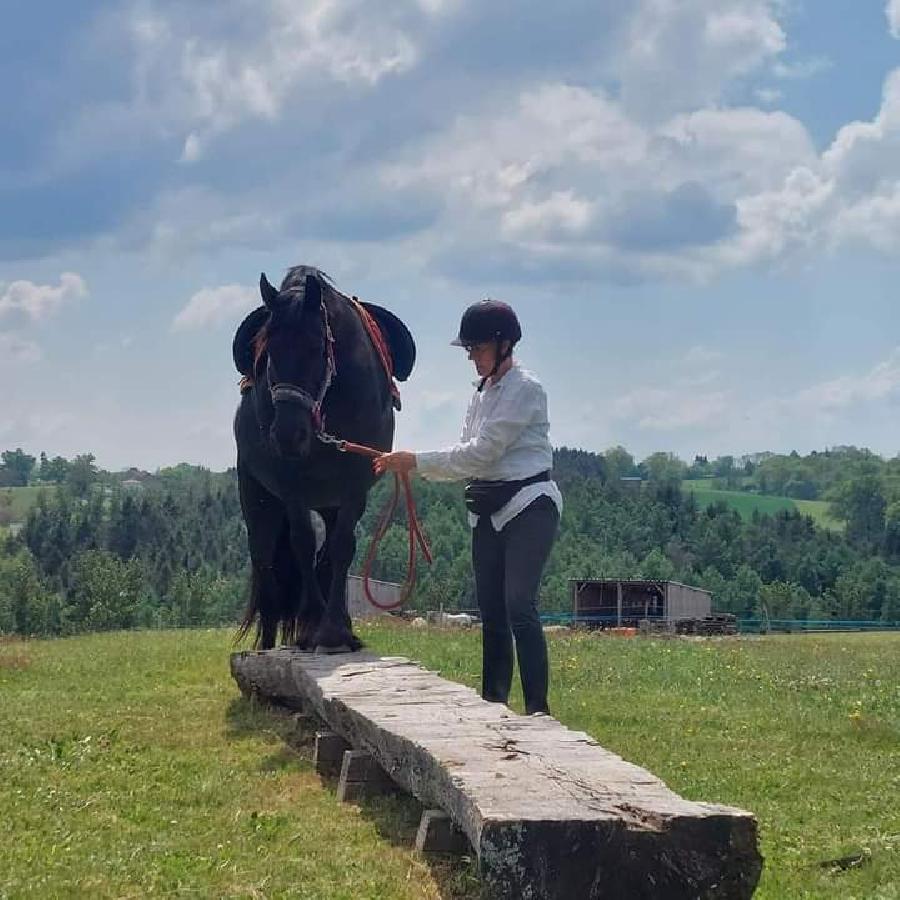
[505, 437]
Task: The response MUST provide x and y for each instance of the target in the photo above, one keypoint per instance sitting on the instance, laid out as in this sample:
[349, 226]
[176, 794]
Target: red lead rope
[415, 530]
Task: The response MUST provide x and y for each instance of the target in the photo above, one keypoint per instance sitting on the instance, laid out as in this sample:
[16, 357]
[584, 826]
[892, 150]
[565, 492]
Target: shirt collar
[490, 385]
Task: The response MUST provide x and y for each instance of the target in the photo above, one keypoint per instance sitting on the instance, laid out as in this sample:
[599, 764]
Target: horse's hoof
[343, 648]
[332, 638]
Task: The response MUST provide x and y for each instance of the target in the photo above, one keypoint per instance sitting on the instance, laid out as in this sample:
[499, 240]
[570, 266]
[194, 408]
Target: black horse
[309, 364]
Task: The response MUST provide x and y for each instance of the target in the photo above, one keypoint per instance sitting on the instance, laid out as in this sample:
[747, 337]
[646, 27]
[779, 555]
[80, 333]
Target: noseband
[286, 392]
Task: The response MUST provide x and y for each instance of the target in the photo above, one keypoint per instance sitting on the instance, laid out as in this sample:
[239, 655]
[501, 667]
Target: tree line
[105, 551]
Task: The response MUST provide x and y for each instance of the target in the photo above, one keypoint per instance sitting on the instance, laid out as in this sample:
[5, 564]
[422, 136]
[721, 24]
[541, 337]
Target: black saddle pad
[242, 346]
[399, 340]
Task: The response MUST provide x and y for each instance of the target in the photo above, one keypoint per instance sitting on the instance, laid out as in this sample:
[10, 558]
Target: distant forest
[100, 550]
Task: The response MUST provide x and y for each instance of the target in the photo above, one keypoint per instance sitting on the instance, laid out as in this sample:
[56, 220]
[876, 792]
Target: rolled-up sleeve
[472, 458]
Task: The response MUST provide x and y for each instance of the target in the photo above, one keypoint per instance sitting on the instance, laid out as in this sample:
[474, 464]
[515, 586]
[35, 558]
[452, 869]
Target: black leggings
[508, 566]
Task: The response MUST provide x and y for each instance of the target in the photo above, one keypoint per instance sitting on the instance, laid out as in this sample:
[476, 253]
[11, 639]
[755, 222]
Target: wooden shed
[606, 602]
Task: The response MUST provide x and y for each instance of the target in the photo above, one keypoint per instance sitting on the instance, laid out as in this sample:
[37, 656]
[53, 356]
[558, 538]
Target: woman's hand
[400, 461]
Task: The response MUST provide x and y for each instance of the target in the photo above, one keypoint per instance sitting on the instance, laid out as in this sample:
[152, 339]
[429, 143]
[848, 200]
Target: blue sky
[693, 204]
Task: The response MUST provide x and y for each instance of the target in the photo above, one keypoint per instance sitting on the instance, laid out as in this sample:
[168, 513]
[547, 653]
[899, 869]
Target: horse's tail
[274, 599]
[255, 603]
[290, 590]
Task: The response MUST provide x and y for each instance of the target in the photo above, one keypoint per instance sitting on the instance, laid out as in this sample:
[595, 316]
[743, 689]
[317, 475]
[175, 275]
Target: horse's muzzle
[290, 440]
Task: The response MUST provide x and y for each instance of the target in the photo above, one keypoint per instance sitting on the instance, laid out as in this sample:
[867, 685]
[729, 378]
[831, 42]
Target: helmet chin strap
[499, 359]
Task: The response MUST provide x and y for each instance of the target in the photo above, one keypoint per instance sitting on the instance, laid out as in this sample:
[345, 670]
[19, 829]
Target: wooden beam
[329, 753]
[361, 777]
[548, 811]
[438, 834]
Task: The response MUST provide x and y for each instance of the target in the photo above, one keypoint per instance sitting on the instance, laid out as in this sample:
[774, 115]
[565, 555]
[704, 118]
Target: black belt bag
[484, 498]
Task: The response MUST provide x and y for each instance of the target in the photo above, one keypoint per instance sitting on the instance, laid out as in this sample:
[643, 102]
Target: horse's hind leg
[266, 522]
[335, 632]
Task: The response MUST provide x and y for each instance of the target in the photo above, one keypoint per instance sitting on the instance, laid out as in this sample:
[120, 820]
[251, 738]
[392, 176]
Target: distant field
[746, 503]
[818, 511]
[23, 498]
[133, 767]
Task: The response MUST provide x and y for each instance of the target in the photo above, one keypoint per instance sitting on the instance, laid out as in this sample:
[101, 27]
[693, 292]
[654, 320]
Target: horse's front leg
[303, 548]
[335, 633]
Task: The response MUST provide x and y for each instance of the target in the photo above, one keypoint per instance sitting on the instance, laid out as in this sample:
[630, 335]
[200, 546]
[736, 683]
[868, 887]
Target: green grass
[818, 510]
[132, 767]
[802, 730]
[21, 499]
[699, 484]
[746, 503]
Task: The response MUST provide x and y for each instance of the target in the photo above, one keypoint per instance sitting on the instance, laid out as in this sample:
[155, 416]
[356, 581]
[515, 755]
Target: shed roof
[638, 581]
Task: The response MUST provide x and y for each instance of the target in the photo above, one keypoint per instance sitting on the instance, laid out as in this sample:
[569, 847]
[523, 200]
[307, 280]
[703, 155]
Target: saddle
[396, 335]
[400, 342]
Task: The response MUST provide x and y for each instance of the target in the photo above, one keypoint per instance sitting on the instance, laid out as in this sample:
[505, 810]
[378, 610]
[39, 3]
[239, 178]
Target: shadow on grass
[395, 816]
[246, 717]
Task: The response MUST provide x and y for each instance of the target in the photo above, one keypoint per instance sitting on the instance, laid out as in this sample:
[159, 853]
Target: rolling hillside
[746, 503]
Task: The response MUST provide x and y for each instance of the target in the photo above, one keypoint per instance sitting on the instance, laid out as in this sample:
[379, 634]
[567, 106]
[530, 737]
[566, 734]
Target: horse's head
[300, 357]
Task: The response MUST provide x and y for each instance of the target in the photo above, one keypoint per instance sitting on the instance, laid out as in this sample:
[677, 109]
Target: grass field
[132, 767]
[21, 499]
[746, 504]
[818, 510]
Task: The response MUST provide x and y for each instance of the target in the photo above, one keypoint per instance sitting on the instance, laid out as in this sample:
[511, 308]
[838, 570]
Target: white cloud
[490, 158]
[669, 409]
[739, 150]
[803, 68]
[659, 178]
[680, 54]
[38, 301]
[560, 213]
[566, 175]
[881, 383]
[850, 194]
[854, 408]
[187, 221]
[15, 350]
[213, 306]
[768, 96]
[208, 79]
[892, 11]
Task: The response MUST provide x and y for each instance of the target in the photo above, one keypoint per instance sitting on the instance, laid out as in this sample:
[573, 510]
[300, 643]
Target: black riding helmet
[489, 320]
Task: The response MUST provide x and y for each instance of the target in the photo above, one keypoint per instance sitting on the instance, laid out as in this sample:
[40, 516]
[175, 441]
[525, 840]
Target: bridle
[287, 392]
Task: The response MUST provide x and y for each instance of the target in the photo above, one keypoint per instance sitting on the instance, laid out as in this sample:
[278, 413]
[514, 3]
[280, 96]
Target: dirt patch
[14, 661]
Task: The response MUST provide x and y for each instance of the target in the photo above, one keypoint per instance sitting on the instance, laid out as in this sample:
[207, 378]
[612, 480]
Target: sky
[693, 205]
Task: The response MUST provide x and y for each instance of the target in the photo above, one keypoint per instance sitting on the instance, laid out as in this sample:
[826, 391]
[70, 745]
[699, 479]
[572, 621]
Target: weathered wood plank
[328, 756]
[361, 777]
[549, 812]
[438, 834]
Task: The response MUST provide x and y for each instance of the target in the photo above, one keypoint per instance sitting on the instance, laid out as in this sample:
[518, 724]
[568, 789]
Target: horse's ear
[312, 292]
[268, 293]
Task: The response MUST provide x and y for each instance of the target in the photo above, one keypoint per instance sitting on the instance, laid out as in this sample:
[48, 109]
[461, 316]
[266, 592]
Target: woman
[514, 505]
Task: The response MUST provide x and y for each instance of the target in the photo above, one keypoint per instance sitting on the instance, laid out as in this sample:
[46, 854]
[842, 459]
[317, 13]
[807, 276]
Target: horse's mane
[260, 343]
[295, 278]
